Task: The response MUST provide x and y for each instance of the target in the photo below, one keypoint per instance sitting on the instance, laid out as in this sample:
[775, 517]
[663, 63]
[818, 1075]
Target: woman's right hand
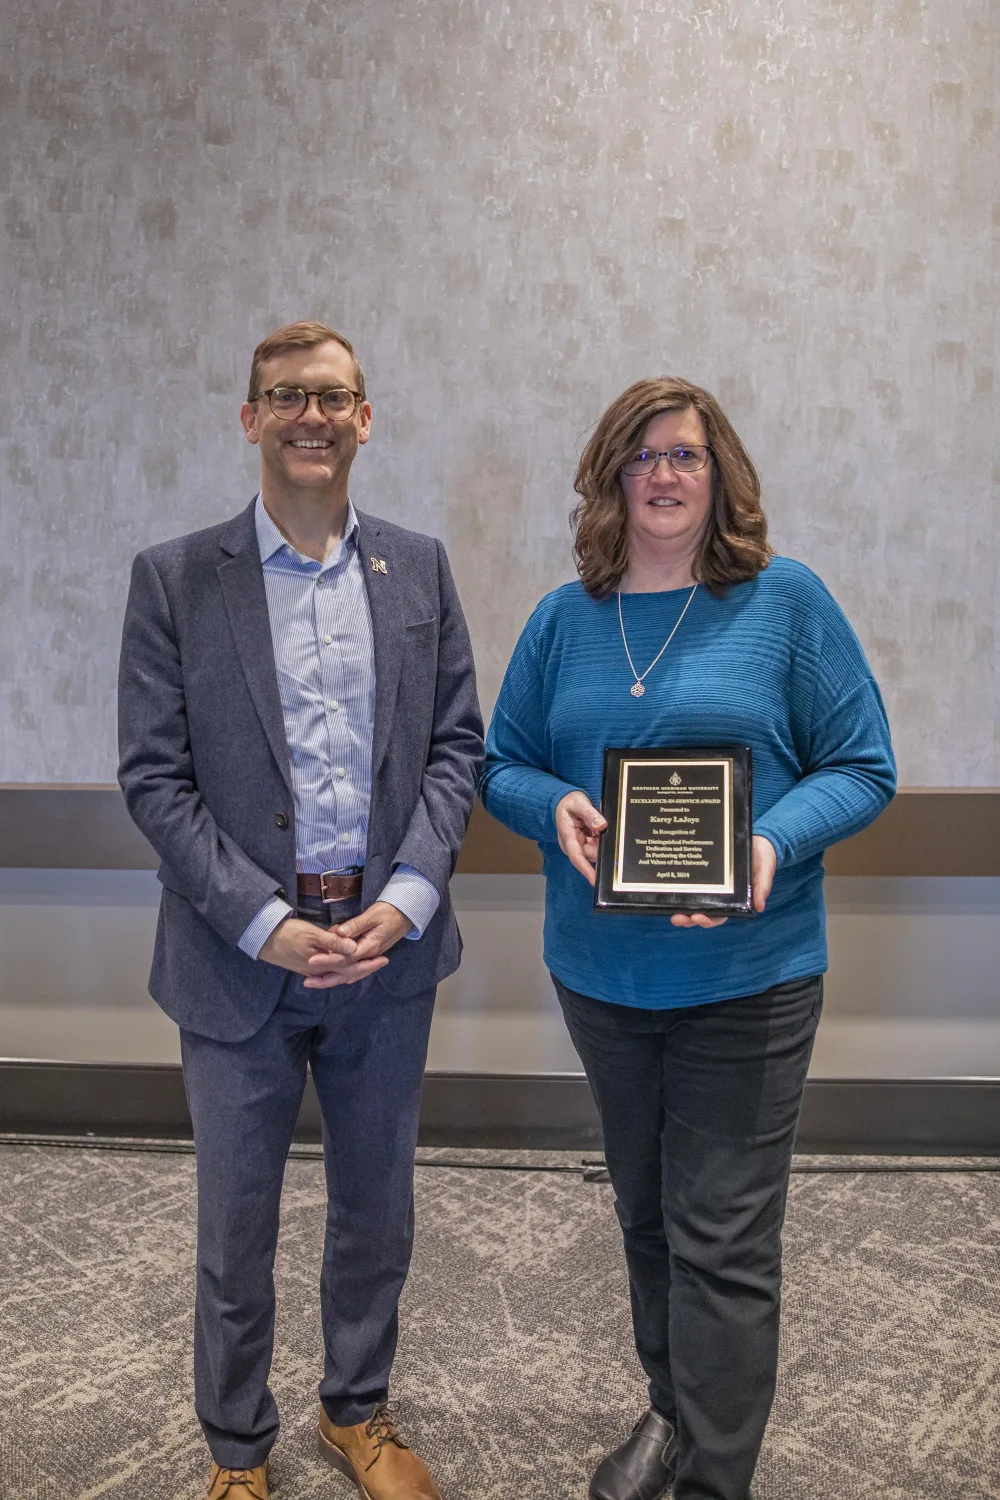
[578, 824]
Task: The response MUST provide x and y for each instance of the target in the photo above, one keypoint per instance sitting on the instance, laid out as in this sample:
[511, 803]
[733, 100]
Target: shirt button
[328, 640]
[345, 838]
[341, 771]
[334, 704]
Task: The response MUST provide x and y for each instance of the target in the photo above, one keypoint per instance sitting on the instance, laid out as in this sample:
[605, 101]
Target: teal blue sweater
[773, 665]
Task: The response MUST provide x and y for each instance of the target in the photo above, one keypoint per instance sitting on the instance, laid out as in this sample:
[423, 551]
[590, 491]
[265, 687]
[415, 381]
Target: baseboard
[147, 1100]
[901, 1116]
[932, 1116]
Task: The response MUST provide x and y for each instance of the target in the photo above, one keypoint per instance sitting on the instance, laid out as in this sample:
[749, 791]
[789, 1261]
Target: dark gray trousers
[367, 1051]
[699, 1108]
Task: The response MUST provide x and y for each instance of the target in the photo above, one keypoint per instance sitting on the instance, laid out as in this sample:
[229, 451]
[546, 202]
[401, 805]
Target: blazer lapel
[241, 578]
[385, 597]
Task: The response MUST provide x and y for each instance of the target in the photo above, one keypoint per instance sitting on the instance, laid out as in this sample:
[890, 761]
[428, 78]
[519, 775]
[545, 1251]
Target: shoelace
[381, 1428]
[238, 1476]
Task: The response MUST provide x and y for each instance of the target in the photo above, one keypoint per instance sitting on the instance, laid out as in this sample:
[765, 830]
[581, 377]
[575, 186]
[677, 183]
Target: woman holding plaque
[695, 1030]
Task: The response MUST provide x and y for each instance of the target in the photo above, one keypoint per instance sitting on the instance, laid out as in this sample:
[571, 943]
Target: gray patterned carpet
[516, 1366]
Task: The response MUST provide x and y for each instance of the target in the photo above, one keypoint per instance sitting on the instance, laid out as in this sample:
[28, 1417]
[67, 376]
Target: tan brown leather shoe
[238, 1484]
[374, 1455]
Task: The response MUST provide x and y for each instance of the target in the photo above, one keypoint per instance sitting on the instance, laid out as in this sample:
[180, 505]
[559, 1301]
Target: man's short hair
[302, 335]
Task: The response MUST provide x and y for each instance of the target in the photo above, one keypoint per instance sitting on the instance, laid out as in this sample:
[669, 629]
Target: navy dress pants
[367, 1049]
[699, 1108]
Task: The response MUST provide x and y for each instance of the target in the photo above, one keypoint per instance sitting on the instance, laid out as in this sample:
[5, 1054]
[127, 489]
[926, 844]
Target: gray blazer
[204, 760]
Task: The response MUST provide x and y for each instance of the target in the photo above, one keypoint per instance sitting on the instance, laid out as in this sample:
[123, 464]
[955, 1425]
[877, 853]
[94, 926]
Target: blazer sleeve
[156, 769]
[435, 832]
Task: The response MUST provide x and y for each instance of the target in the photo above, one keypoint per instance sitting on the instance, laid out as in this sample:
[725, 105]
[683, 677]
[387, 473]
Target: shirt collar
[270, 539]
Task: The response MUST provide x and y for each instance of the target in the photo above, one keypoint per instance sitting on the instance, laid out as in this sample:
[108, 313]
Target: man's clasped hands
[343, 954]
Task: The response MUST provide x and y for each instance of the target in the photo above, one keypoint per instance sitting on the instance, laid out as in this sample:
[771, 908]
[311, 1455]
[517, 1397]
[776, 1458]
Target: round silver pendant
[638, 690]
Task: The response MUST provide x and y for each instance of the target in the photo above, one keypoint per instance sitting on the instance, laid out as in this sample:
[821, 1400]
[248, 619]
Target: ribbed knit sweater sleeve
[850, 771]
[516, 785]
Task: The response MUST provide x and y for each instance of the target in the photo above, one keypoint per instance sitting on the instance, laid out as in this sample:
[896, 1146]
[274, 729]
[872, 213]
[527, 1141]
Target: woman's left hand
[765, 862]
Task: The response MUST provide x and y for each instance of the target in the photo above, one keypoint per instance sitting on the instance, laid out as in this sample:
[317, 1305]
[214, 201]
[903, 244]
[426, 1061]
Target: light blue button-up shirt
[324, 652]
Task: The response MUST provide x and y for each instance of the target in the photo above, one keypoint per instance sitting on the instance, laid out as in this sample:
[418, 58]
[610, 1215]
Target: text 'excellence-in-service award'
[679, 831]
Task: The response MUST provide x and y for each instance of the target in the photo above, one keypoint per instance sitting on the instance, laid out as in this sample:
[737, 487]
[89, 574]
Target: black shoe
[643, 1467]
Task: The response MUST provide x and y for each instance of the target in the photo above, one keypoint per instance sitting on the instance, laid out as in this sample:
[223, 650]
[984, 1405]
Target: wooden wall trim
[925, 831]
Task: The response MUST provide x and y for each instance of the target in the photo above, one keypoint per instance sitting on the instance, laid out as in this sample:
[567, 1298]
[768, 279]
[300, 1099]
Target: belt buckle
[333, 875]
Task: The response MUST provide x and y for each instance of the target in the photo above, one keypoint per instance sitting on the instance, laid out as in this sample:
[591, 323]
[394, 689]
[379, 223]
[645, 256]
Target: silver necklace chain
[637, 688]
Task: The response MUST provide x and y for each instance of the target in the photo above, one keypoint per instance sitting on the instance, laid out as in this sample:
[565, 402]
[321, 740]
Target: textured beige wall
[514, 209]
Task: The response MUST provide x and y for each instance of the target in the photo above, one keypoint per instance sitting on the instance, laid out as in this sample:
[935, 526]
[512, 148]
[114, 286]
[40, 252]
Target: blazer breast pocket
[420, 640]
[420, 656]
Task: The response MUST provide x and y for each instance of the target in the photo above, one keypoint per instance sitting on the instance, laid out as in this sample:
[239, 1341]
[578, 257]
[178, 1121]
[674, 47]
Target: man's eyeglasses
[337, 404]
[686, 458]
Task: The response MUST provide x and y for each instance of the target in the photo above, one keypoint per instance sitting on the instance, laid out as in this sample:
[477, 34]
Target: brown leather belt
[330, 886]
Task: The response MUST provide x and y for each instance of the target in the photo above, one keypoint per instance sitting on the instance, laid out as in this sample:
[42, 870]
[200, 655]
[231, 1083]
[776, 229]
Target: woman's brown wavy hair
[735, 547]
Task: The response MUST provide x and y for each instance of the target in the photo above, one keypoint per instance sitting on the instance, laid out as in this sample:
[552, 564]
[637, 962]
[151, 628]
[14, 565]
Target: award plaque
[679, 831]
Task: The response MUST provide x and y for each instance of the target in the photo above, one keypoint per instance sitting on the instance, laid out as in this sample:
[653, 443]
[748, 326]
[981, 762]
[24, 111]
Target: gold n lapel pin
[378, 565]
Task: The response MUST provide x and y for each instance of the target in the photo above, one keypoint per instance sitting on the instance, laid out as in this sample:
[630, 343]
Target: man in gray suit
[300, 740]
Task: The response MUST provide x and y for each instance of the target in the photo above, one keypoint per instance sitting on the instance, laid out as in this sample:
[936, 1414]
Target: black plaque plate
[679, 831]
